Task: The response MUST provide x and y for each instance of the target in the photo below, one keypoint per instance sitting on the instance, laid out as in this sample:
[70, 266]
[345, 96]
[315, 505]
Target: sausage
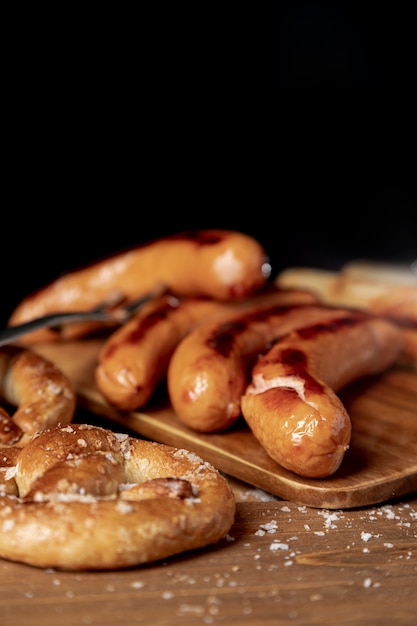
[208, 372]
[384, 290]
[42, 394]
[291, 404]
[134, 360]
[219, 264]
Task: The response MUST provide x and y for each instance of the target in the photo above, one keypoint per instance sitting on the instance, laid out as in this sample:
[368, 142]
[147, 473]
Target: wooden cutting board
[380, 464]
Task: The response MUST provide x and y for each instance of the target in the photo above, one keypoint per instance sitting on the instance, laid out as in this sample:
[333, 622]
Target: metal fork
[104, 312]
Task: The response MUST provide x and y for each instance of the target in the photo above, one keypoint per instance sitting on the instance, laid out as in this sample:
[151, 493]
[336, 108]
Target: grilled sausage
[208, 372]
[134, 360]
[291, 404]
[219, 264]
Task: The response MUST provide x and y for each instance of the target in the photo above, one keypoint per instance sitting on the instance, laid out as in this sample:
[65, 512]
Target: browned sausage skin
[208, 372]
[135, 358]
[291, 404]
[219, 264]
[388, 291]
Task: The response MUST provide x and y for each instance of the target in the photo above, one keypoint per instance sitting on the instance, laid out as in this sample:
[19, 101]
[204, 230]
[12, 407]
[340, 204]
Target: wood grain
[380, 464]
[280, 564]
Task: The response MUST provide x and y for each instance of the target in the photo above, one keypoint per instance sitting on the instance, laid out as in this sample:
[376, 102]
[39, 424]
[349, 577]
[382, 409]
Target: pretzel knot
[40, 391]
[82, 497]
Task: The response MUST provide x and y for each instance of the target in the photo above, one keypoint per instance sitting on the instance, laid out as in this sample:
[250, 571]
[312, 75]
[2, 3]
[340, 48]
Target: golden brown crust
[42, 394]
[291, 404]
[10, 433]
[219, 264]
[8, 460]
[152, 501]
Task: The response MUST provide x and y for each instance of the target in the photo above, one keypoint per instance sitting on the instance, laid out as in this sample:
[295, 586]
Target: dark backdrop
[294, 123]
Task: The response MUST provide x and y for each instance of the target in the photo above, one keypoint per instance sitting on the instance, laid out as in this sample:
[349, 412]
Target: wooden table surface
[281, 563]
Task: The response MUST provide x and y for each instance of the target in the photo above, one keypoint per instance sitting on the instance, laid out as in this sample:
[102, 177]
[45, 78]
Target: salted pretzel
[39, 391]
[81, 497]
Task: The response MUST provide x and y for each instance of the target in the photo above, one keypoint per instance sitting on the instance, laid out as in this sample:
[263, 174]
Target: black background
[294, 123]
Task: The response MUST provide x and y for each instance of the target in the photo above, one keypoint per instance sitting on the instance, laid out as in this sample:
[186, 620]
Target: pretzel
[90, 499]
[42, 394]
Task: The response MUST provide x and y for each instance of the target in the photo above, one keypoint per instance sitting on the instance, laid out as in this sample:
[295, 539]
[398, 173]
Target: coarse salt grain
[123, 507]
[10, 472]
[67, 429]
[137, 584]
[7, 525]
[329, 518]
[275, 545]
[269, 527]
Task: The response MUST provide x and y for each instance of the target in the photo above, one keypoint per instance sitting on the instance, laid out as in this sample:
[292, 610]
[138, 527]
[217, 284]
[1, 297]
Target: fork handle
[10, 334]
